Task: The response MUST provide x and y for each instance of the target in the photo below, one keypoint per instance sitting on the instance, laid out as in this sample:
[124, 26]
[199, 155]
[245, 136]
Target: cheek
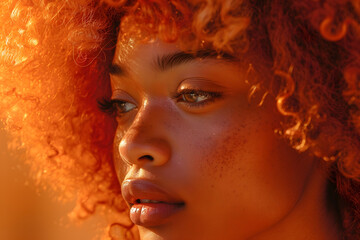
[222, 151]
[242, 162]
[233, 143]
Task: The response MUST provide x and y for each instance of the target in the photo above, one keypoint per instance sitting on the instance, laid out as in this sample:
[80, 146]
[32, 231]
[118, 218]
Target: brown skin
[238, 180]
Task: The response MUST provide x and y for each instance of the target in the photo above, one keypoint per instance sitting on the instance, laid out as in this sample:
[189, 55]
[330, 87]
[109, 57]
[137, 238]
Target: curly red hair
[54, 59]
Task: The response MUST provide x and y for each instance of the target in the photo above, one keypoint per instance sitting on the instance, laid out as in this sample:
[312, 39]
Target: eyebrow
[171, 60]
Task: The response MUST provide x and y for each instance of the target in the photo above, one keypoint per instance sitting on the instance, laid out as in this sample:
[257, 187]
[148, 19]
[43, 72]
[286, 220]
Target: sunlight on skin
[190, 129]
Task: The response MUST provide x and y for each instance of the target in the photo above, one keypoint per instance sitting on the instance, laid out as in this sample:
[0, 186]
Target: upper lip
[136, 189]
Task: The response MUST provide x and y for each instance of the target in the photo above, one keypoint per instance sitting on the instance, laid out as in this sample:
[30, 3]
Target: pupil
[121, 107]
[191, 97]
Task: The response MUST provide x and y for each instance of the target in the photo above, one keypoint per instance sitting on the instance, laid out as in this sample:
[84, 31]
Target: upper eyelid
[201, 84]
[121, 95]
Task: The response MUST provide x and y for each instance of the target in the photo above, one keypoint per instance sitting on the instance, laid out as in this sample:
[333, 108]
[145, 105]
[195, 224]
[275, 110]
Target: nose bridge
[145, 141]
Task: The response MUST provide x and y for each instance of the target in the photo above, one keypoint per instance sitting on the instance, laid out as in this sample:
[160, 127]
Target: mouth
[150, 205]
[141, 201]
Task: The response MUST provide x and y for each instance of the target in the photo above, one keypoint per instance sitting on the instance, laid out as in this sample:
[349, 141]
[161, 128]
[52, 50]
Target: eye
[116, 106]
[122, 107]
[196, 98]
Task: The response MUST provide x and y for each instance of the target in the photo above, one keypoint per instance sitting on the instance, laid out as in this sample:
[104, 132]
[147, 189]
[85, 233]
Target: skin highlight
[223, 158]
[290, 166]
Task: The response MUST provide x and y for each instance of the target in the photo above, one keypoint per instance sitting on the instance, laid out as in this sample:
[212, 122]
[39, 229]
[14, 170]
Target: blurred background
[28, 213]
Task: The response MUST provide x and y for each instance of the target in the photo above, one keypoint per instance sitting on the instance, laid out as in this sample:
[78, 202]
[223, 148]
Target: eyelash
[211, 97]
[109, 106]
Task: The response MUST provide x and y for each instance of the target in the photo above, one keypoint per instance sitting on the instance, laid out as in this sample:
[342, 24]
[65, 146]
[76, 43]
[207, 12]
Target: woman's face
[189, 140]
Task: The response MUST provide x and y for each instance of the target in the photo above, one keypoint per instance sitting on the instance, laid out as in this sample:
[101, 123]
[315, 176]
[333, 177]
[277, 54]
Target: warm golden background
[27, 213]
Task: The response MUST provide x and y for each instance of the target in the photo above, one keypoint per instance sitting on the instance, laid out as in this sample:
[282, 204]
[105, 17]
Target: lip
[150, 214]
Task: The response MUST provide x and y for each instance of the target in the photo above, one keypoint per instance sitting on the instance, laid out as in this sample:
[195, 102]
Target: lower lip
[153, 214]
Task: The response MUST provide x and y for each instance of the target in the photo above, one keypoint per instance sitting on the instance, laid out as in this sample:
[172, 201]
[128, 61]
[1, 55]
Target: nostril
[141, 152]
[146, 157]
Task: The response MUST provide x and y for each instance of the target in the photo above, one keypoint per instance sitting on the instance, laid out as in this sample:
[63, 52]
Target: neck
[315, 216]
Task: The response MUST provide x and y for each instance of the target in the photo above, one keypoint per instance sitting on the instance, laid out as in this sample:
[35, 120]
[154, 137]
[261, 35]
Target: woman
[225, 119]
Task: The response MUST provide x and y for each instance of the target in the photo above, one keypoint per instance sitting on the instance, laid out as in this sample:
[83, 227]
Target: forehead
[132, 48]
[161, 56]
[140, 65]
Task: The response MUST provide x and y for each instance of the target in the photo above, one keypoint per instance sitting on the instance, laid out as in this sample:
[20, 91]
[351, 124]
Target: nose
[145, 142]
[136, 150]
